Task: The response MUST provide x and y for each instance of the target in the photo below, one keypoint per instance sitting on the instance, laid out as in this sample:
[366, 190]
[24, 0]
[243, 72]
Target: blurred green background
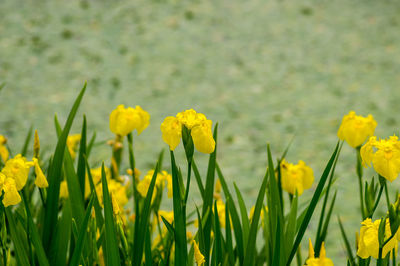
[265, 70]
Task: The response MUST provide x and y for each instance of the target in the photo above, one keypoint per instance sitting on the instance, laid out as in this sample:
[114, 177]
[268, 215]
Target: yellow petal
[202, 137]
[144, 117]
[171, 130]
[40, 180]
[11, 195]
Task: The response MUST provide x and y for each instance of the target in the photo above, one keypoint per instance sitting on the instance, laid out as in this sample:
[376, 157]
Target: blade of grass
[237, 227]
[41, 255]
[80, 172]
[81, 235]
[218, 237]
[313, 204]
[208, 196]
[110, 230]
[243, 212]
[198, 179]
[17, 239]
[139, 236]
[53, 192]
[27, 141]
[346, 242]
[250, 252]
[179, 219]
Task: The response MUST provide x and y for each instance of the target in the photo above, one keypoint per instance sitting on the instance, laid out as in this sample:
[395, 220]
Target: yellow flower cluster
[14, 175]
[384, 154]
[356, 129]
[296, 177]
[3, 149]
[368, 242]
[125, 120]
[162, 179]
[322, 260]
[198, 125]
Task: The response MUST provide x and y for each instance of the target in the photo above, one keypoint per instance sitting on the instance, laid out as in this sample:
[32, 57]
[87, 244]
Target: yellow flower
[96, 176]
[63, 189]
[356, 129]
[190, 118]
[125, 120]
[72, 144]
[162, 179]
[116, 190]
[17, 169]
[144, 117]
[368, 243]
[321, 261]
[171, 130]
[197, 254]
[11, 195]
[41, 180]
[3, 149]
[202, 136]
[384, 155]
[296, 177]
[196, 123]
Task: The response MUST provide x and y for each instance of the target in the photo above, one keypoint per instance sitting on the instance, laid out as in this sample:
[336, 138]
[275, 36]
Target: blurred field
[265, 70]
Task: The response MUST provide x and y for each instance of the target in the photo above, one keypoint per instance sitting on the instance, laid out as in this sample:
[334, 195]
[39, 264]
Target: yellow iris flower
[125, 120]
[384, 154]
[296, 177]
[197, 123]
[356, 129]
[368, 243]
[321, 261]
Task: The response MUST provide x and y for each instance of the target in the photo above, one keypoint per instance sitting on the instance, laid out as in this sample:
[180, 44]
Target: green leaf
[291, 226]
[90, 145]
[110, 230]
[228, 236]
[198, 179]
[325, 227]
[250, 252]
[237, 227]
[54, 178]
[81, 235]
[81, 159]
[34, 234]
[140, 234]
[313, 204]
[218, 237]
[208, 196]
[60, 241]
[18, 238]
[27, 141]
[179, 216]
[243, 212]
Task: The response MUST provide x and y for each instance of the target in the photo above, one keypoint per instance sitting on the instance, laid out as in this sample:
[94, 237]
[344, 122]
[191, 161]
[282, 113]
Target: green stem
[387, 195]
[360, 182]
[298, 257]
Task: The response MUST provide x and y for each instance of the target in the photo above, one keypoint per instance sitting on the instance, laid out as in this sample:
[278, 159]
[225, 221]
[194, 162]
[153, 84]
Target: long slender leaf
[237, 227]
[53, 192]
[27, 141]
[243, 213]
[110, 230]
[34, 234]
[179, 219]
[140, 234]
[250, 252]
[80, 172]
[81, 235]
[208, 196]
[346, 242]
[17, 238]
[313, 204]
